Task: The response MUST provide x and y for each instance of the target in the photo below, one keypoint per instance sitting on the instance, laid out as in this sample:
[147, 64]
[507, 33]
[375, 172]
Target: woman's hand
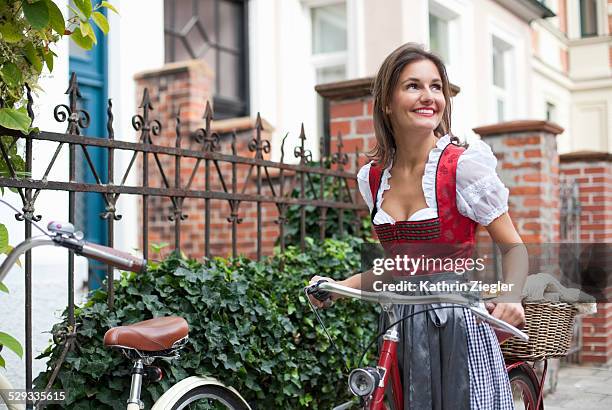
[512, 313]
[317, 302]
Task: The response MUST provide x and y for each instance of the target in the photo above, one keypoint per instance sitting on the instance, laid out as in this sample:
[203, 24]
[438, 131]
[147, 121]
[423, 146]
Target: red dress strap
[456, 228]
[374, 178]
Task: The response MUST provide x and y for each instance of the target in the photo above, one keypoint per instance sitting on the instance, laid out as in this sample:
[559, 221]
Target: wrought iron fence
[287, 179]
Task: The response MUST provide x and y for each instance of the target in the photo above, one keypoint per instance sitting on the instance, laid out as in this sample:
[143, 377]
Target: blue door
[90, 67]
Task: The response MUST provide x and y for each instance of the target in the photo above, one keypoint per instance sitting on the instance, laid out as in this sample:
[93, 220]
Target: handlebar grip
[113, 257]
[319, 294]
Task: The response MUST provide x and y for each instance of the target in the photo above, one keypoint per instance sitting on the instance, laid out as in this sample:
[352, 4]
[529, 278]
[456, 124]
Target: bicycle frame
[388, 368]
[387, 365]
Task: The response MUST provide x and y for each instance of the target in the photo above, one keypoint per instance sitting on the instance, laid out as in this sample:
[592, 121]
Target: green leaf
[88, 31]
[109, 6]
[4, 238]
[32, 56]
[11, 74]
[37, 14]
[84, 6]
[48, 55]
[3, 288]
[56, 18]
[11, 343]
[101, 21]
[15, 120]
[10, 32]
[80, 40]
[2, 362]
[85, 27]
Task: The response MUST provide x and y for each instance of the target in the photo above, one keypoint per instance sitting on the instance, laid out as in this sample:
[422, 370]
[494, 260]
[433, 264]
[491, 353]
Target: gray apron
[432, 353]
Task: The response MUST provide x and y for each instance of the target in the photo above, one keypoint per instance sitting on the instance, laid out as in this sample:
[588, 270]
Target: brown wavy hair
[384, 85]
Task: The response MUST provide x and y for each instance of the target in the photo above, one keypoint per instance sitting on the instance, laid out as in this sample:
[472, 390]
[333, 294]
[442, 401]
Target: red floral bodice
[449, 235]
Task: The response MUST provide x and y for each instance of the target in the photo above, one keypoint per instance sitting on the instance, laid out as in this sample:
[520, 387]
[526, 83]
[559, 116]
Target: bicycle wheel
[523, 390]
[209, 398]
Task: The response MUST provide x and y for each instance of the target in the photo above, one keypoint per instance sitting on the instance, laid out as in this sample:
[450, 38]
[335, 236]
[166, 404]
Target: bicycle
[369, 384]
[142, 342]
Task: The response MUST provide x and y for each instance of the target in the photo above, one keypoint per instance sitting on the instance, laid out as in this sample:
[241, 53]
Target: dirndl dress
[447, 360]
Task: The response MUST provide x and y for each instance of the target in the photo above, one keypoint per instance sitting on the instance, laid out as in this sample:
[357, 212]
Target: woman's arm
[515, 266]
[363, 280]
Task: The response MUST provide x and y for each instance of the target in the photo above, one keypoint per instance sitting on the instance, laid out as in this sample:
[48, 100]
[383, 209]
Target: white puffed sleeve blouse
[481, 196]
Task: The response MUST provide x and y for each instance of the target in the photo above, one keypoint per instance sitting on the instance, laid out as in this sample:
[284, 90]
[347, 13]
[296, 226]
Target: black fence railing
[208, 163]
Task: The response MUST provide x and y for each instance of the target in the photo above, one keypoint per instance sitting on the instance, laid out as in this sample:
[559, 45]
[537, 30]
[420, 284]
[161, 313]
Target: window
[438, 37]
[329, 44]
[500, 64]
[588, 18]
[216, 32]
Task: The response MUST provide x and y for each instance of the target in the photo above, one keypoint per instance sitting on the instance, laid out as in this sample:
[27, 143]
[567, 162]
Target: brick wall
[188, 85]
[593, 172]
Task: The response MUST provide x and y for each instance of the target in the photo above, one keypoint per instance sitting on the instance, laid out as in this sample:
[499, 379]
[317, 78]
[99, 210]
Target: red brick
[519, 141]
[349, 145]
[533, 202]
[595, 170]
[591, 189]
[346, 109]
[365, 126]
[535, 178]
[533, 153]
[573, 171]
[525, 190]
[342, 127]
[521, 165]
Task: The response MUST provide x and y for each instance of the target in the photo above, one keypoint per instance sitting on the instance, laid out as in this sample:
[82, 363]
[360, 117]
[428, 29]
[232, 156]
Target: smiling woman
[439, 193]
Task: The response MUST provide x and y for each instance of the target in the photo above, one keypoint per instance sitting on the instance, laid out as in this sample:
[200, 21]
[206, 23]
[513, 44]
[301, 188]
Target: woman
[423, 188]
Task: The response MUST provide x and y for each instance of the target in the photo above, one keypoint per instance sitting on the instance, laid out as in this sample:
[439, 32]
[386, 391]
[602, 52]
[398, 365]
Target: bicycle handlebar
[110, 256]
[394, 298]
[113, 257]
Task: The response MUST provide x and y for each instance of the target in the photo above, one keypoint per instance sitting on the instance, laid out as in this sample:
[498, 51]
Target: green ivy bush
[354, 223]
[250, 327]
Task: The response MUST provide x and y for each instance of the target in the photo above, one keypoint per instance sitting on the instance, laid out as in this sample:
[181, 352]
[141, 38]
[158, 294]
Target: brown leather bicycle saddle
[150, 335]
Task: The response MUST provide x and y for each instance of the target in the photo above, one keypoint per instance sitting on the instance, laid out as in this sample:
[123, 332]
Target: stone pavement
[581, 387]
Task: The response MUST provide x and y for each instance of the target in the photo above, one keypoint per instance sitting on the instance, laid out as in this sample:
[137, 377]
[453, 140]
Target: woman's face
[418, 102]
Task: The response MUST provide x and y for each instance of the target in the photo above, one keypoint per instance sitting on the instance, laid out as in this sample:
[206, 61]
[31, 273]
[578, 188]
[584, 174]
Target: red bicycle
[369, 384]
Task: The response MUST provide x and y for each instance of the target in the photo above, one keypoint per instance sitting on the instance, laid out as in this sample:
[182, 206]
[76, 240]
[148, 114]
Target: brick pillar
[593, 173]
[188, 85]
[528, 163]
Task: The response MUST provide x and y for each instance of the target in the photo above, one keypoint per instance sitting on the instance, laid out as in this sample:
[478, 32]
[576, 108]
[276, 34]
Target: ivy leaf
[109, 6]
[15, 120]
[101, 21]
[10, 32]
[11, 343]
[36, 13]
[56, 18]
[11, 74]
[81, 40]
[3, 288]
[84, 6]
[32, 56]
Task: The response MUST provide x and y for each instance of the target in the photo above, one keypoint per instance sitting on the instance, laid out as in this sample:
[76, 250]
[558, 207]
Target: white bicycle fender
[167, 400]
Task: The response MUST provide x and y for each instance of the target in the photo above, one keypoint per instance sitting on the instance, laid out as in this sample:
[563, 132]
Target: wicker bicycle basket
[549, 326]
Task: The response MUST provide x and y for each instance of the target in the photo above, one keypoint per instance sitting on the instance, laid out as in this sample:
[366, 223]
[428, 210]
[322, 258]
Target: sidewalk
[581, 387]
